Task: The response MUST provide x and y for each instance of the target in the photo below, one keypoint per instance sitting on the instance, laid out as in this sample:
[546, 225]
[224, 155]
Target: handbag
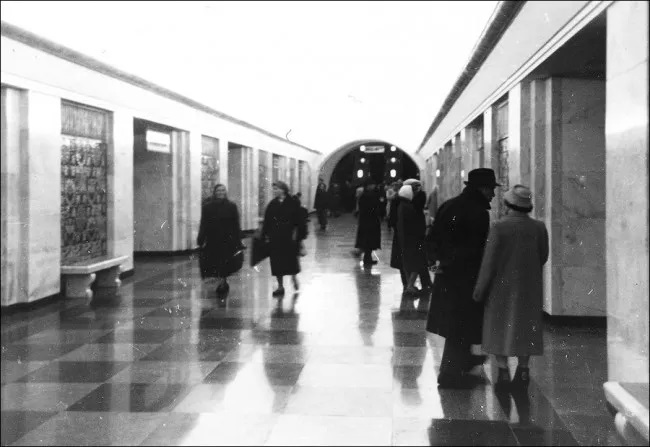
[259, 250]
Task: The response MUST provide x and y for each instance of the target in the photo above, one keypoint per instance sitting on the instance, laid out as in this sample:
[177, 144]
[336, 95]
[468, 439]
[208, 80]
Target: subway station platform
[346, 361]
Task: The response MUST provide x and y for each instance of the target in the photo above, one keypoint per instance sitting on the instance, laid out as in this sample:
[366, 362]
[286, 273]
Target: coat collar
[475, 195]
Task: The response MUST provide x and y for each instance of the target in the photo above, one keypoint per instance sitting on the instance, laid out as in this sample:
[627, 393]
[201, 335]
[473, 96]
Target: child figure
[510, 283]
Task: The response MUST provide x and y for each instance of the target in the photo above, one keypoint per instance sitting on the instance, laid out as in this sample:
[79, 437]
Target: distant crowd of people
[487, 287]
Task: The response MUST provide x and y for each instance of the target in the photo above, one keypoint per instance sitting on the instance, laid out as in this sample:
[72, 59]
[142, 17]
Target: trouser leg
[425, 278]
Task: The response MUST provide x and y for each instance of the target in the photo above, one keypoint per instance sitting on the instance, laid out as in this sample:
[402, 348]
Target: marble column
[456, 165]
[181, 192]
[538, 146]
[14, 190]
[120, 188]
[195, 151]
[223, 161]
[575, 196]
[627, 191]
[490, 149]
[33, 165]
[519, 135]
[466, 153]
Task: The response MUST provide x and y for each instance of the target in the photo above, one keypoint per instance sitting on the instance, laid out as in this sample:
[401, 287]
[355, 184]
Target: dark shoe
[475, 360]
[521, 380]
[503, 380]
[279, 292]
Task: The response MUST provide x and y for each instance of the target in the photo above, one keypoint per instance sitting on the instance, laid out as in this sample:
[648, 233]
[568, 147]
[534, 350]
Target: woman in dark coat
[369, 229]
[219, 238]
[410, 230]
[322, 204]
[282, 229]
[396, 250]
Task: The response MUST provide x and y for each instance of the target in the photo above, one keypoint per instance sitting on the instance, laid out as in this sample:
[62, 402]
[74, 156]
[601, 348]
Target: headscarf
[406, 192]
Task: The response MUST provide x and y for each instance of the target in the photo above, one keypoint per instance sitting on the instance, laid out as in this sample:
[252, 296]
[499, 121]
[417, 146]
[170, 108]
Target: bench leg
[78, 286]
[109, 278]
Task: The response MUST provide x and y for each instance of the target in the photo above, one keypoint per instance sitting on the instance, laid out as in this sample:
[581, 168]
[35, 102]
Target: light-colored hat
[519, 196]
[412, 181]
[406, 192]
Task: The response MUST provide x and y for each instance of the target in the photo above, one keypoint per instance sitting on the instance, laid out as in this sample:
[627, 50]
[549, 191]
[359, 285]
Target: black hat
[482, 177]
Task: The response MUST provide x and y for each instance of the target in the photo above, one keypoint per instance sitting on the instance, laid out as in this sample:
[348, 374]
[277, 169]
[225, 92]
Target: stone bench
[630, 403]
[79, 276]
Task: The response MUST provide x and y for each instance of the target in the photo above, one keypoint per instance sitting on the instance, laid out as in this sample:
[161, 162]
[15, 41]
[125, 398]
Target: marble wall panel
[152, 195]
[44, 200]
[14, 193]
[627, 191]
[120, 183]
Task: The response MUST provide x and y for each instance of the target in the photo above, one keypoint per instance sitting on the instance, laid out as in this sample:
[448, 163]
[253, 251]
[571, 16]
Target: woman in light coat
[510, 283]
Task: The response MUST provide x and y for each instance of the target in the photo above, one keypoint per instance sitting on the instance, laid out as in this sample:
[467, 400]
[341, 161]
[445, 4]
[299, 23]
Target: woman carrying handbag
[222, 252]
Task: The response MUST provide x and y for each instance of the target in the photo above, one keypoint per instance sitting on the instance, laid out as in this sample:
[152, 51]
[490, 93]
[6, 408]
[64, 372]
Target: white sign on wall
[374, 150]
[159, 141]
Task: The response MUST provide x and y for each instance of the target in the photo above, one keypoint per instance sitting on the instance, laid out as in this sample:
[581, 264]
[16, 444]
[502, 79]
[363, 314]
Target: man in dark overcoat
[457, 241]
[369, 229]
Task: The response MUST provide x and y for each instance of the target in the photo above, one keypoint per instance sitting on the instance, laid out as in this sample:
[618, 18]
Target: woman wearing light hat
[510, 283]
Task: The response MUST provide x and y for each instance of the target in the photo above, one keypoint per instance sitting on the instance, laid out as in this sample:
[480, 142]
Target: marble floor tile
[301, 430]
[164, 372]
[93, 429]
[328, 401]
[123, 352]
[36, 351]
[211, 398]
[44, 397]
[339, 375]
[13, 370]
[75, 372]
[16, 424]
[212, 429]
[132, 397]
[470, 432]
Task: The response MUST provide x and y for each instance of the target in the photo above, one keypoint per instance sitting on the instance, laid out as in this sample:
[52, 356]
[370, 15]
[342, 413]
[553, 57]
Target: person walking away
[432, 205]
[419, 202]
[335, 200]
[303, 227]
[357, 194]
[322, 204]
[410, 231]
[510, 283]
[219, 238]
[369, 228]
[390, 195]
[396, 250]
[281, 230]
[457, 241]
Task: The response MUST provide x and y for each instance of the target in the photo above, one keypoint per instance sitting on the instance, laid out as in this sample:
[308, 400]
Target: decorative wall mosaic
[209, 166]
[263, 193]
[209, 175]
[83, 199]
[83, 183]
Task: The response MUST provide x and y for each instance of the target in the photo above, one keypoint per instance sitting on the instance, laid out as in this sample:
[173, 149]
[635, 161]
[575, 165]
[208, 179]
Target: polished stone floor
[346, 361]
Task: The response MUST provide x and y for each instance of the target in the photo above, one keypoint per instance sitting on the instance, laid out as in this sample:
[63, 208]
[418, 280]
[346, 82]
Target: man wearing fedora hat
[457, 240]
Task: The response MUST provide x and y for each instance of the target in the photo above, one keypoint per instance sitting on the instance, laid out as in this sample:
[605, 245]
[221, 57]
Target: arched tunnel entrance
[355, 162]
